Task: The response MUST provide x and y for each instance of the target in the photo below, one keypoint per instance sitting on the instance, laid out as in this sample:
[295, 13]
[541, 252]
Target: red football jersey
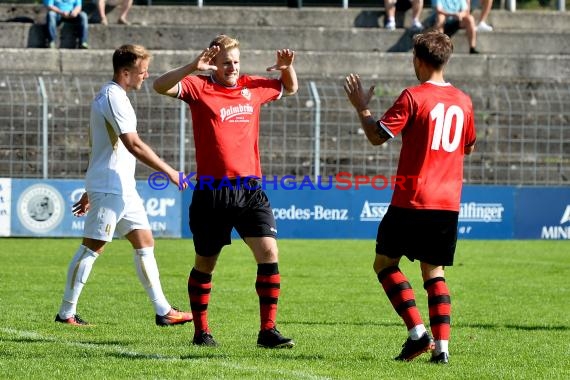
[225, 121]
[436, 121]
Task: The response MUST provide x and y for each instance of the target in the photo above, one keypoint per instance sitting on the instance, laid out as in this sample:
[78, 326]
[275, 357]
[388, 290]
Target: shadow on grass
[30, 339]
[209, 353]
[342, 323]
[472, 325]
[514, 327]
[143, 356]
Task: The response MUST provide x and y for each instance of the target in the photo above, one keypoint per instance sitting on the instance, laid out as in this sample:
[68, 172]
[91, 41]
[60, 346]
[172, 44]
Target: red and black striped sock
[267, 285]
[439, 303]
[401, 295]
[199, 288]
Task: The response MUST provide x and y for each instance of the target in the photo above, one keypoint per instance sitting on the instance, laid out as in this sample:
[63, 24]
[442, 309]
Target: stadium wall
[303, 209]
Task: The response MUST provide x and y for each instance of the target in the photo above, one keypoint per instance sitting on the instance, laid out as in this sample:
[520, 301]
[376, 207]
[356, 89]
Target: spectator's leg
[101, 10]
[439, 24]
[84, 30]
[390, 19]
[125, 7]
[52, 21]
[486, 6]
[417, 6]
[468, 23]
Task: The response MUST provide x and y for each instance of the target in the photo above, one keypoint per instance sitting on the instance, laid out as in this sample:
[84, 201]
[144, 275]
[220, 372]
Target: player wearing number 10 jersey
[436, 122]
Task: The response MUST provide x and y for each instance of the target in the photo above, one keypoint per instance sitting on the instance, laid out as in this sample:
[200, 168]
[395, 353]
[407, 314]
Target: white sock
[441, 346]
[77, 275]
[147, 271]
[417, 331]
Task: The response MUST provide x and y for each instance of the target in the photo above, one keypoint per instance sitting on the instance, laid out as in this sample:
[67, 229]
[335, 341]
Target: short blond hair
[225, 42]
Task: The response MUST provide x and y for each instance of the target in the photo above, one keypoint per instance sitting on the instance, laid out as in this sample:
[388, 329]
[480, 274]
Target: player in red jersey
[436, 121]
[225, 110]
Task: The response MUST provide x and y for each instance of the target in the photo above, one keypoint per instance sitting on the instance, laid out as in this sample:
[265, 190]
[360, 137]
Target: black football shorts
[429, 236]
[218, 208]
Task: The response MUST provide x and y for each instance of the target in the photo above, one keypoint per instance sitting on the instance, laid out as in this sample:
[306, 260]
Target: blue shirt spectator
[452, 6]
[64, 5]
[66, 11]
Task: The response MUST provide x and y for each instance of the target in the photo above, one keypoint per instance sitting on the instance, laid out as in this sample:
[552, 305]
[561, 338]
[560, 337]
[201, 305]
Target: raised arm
[359, 100]
[284, 63]
[167, 83]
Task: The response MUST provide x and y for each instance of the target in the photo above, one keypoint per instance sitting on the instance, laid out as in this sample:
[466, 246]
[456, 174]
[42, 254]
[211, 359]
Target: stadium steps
[159, 15]
[329, 41]
[309, 65]
[308, 38]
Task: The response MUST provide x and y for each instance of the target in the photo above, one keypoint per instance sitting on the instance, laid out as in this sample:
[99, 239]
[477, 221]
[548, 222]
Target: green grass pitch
[510, 314]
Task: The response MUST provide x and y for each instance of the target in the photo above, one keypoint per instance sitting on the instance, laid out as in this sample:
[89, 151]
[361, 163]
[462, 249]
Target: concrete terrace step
[532, 21]
[283, 16]
[483, 67]
[301, 39]
[214, 15]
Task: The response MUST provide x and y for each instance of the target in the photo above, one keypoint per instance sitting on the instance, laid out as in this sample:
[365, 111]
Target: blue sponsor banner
[163, 208]
[543, 213]
[329, 214]
[487, 212]
[43, 208]
[30, 207]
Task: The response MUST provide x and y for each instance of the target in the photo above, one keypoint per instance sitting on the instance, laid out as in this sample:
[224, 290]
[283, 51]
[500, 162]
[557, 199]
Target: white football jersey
[111, 166]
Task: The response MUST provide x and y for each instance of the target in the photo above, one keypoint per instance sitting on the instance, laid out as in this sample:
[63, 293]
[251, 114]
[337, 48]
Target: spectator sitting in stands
[66, 11]
[390, 7]
[125, 7]
[450, 15]
[486, 6]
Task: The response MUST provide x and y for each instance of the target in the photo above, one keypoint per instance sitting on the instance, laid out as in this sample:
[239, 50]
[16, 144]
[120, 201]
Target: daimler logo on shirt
[232, 112]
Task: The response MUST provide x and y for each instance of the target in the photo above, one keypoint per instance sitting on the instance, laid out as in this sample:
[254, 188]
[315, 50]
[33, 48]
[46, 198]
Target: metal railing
[523, 133]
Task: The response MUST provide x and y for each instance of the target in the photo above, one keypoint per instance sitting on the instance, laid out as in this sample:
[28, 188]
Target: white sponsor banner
[5, 206]
[481, 212]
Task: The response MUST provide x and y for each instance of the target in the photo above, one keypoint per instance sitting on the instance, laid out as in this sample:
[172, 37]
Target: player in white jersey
[111, 196]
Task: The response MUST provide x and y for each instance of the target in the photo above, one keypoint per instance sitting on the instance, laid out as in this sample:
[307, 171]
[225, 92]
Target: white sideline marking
[134, 354]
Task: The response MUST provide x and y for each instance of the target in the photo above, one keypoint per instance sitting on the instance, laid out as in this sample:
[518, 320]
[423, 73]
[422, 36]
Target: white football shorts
[110, 213]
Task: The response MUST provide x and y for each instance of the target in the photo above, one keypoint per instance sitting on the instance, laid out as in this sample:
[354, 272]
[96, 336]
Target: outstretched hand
[284, 59]
[356, 94]
[177, 178]
[81, 207]
[203, 60]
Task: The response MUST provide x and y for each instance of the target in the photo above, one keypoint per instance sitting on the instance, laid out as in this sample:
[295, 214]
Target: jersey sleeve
[120, 113]
[268, 89]
[189, 88]
[470, 134]
[396, 117]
